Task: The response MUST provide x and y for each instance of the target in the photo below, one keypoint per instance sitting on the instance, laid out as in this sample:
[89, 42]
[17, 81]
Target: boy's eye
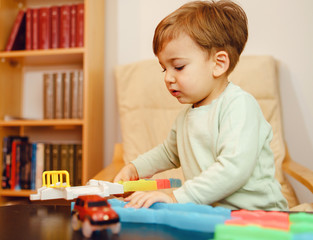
[179, 68]
[164, 70]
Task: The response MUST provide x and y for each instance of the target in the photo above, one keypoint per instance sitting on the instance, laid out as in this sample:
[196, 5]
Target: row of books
[63, 95]
[24, 162]
[48, 27]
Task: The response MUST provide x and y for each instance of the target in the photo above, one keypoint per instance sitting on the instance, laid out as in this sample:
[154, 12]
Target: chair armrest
[298, 172]
[110, 171]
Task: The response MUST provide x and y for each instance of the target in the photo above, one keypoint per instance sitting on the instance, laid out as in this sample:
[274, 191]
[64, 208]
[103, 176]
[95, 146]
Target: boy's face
[189, 72]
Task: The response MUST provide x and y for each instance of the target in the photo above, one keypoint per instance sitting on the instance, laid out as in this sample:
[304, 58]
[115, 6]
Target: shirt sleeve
[240, 133]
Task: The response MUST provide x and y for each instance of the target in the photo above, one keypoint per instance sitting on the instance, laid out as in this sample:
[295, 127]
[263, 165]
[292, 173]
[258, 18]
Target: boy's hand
[127, 173]
[146, 199]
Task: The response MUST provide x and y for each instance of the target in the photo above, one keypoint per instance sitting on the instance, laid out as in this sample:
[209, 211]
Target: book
[35, 28]
[74, 94]
[44, 28]
[48, 89]
[58, 95]
[40, 154]
[55, 25]
[64, 157]
[71, 156]
[15, 158]
[24, 170]
[55, 156]
[47, 157]
[33, 166]
[66, 95]
[80, 25]
[79, 164]
[5, 178]
[73, 18]
[65, 25]
[16, 39]
[28, 44]
[80, 96]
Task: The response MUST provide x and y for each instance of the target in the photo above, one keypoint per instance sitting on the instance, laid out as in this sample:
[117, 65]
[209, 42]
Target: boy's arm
[157, 160]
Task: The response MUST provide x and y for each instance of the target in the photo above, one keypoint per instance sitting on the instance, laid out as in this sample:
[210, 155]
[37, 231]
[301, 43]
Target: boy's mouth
[175, 93]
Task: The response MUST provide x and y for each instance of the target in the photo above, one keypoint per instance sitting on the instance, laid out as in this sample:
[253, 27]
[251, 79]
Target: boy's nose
[169, 78]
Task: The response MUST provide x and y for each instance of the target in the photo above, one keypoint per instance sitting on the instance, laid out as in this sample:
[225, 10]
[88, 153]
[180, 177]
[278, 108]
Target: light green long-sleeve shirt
[224, 151]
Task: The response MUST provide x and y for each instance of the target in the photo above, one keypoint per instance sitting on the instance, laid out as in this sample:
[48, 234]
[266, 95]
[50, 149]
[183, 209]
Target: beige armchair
[147, 112]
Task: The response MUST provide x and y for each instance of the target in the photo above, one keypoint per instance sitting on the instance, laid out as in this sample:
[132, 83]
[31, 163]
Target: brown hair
[213, 25]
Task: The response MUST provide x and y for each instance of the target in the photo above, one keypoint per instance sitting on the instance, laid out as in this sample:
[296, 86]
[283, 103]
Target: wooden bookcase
[89, 129]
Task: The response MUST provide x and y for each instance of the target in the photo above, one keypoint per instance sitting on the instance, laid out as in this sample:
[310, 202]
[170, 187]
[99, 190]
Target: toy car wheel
[76, 224]
[116, 228]
[87, 230]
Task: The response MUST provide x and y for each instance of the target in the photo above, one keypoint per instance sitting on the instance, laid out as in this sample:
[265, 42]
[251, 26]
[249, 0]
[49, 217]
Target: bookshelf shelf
[16, 193]
[44, 57]
[45, 52]
[54, 122]
[86, 133]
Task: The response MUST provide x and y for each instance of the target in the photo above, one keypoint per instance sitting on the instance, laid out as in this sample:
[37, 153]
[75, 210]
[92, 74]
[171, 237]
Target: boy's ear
[221, 60]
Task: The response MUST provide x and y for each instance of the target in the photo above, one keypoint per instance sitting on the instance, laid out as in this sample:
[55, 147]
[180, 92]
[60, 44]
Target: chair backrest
[147, 110]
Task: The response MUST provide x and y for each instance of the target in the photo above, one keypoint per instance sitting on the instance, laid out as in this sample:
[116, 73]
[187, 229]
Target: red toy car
[94, 213]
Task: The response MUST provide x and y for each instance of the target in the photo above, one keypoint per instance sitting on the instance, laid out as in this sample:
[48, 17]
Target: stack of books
[63, 95]
[48, 28]
[24, 162]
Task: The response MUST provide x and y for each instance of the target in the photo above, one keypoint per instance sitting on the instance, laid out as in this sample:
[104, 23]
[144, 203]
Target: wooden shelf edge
[16, 193]
[44, 52]
[54, 122]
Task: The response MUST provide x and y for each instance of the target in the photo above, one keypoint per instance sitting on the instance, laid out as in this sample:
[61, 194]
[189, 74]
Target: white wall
[281, 28]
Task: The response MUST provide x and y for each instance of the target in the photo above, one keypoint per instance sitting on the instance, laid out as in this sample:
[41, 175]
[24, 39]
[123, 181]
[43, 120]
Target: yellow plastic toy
[139, 185]
[56, 179]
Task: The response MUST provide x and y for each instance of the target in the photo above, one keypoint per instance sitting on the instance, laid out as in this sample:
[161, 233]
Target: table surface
[34, 221]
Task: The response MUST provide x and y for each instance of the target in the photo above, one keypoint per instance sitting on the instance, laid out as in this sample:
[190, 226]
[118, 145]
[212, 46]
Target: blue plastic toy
[187, 216]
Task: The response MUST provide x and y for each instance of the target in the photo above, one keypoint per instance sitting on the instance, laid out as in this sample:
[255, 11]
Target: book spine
[58, 96]
[48, 96]
[47, 157]
[79, 164]
[9, 162]
[28, 167]
[40, 154]
[55, 24]
[15, 30]
[66, 95]
[64, 148]
[44, 28]
[80, 100]
[73, 26]
[13, 163]
[55, 156]
[5, 179]
[19, 42]
[25, 166]
[71, 156]
[80, 25]
[18, 155]
[74, 94]
[35, 28]
[33, 166]
[65, 25]
[29, 26]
